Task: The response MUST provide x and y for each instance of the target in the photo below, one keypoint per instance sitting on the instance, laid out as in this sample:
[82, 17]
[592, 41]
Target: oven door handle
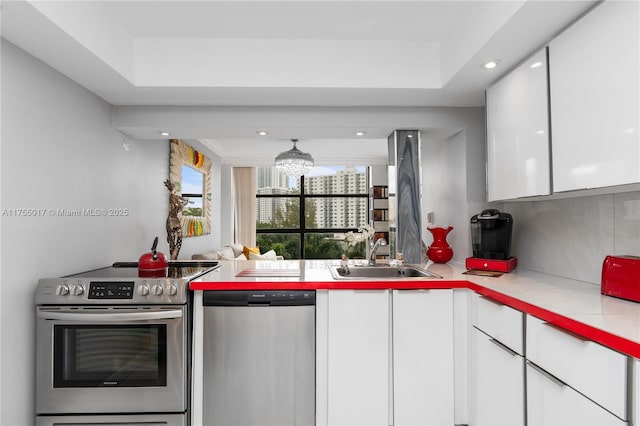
[110, 316]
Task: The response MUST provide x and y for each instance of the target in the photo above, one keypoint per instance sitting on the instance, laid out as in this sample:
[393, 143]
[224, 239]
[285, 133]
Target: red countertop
[573, 305]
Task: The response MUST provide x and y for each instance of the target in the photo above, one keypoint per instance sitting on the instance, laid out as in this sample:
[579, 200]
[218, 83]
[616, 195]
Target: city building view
[309, 215]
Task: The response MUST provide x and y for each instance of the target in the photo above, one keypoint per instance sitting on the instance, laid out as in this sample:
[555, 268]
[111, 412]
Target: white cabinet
[518, 132]
[423, 357]
[572, 381]
[497, 365]
[551, 402]
[635, 393]
[499, 321]
[595, 118]
[499, 383]
[357, 356]
[384, 358]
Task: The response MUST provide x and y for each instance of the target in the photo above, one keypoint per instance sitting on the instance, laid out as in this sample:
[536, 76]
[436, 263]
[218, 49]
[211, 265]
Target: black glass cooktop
[177, 269]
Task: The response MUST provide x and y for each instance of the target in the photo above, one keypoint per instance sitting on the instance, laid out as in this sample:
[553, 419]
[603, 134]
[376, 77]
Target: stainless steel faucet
[374, 248]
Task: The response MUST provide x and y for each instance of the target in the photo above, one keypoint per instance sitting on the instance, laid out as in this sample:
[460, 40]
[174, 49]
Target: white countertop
[575, 305]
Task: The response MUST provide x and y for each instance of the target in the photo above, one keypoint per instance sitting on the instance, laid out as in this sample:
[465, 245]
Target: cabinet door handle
[546, 374]
[567, 332]
[503, 347]
[495, 302]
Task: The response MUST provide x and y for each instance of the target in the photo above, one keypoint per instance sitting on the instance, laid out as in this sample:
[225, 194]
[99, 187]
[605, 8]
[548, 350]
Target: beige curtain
[244, 195]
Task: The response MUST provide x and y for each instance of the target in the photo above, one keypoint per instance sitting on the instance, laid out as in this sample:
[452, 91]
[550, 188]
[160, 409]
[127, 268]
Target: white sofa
[235, 252]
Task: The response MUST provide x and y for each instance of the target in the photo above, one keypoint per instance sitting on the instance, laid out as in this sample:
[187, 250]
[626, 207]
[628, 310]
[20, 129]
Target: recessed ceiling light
[165, 134]
[536, 65]
[360, 133]
[262, 133]
[489, 65]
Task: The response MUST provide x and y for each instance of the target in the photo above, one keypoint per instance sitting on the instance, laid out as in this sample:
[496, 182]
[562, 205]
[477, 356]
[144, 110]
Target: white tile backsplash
[570, 237]
[627, 223]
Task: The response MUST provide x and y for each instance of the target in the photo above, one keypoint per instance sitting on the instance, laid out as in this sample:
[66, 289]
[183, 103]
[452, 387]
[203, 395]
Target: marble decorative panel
[408, 203]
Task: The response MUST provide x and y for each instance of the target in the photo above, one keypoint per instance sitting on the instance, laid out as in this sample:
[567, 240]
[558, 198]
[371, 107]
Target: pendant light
[294, 162]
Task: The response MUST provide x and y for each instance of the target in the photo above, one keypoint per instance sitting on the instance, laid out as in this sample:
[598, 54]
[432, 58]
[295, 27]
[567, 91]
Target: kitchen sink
[381, 272]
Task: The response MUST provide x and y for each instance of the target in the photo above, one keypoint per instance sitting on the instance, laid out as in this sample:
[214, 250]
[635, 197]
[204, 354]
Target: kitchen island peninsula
[411, 350]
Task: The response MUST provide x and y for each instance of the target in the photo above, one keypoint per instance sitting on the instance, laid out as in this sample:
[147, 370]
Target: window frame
[302, 196]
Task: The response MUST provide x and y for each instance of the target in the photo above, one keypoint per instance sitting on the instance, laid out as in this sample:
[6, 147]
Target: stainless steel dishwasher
[259, 358]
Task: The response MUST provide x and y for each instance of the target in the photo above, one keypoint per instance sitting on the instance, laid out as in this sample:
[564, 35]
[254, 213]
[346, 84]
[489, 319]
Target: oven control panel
[107, 290]
[113, 292]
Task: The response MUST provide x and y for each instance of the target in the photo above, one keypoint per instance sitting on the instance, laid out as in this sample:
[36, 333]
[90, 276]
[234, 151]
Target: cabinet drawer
[500, 321]
[594, 370]
[552, 403]
[498, 383]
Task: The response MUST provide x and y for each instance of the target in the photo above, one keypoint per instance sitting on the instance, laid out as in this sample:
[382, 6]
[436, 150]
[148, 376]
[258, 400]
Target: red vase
[439, 251]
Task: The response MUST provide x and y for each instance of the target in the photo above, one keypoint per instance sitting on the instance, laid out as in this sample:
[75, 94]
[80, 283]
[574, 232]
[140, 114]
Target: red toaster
[621, 277]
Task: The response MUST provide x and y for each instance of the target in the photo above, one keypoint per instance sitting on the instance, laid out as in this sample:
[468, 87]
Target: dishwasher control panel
[259, 297]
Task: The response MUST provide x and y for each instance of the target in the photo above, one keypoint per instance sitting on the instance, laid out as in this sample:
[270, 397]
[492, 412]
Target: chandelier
[294, 162]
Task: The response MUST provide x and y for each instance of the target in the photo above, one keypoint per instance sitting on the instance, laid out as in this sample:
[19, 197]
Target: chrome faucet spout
[374, 248]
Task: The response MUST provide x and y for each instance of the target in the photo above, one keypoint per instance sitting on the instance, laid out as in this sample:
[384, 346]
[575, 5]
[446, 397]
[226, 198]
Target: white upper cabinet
[594, 69]
[518, 132]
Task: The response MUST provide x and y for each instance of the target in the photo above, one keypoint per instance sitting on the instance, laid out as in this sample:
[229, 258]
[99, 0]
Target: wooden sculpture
[174, 229]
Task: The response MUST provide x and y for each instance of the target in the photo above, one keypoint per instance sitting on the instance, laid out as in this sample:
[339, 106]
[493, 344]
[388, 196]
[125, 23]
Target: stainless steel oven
[113, 348]
[105, 360]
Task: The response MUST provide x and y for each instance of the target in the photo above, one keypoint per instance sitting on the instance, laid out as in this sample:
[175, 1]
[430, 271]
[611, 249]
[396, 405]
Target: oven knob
[173, 290]
[157, 290]
[143, 290]
[78, 290]
[63, 290]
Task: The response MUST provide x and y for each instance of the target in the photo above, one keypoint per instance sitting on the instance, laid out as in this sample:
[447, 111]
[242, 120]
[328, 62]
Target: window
[192, 188]
[307, 217]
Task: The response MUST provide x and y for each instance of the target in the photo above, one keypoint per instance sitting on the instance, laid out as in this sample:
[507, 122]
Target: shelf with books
[379, 216]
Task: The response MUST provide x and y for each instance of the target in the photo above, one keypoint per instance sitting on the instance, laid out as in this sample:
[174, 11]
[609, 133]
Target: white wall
[453, 174]
[59, 151]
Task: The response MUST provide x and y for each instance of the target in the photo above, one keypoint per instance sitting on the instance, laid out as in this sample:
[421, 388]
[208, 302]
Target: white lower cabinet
[499, 383]
[423, 357]
[384, 358]
[358, 357]
[497, 364]
[551, 402]
[387, 358]
[592, 370]
[635, 393]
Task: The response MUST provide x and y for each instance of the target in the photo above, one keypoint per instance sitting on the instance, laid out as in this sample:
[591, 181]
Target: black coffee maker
[491, 235]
